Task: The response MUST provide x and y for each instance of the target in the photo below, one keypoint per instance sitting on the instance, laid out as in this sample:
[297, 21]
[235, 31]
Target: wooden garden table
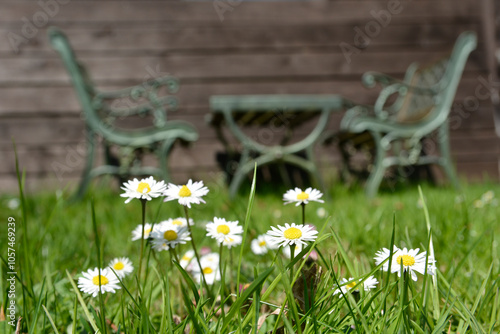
[279, 111]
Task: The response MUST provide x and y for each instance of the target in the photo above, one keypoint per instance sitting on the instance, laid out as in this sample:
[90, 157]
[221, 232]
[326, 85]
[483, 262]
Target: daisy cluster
[290, 238]
[292, 235]
[149, 188]
[106, 279]
[209, 268]
[488, 198]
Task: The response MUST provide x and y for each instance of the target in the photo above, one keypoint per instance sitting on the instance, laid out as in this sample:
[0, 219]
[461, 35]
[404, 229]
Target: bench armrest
[149, 98]
[371, 78]
[382, 108]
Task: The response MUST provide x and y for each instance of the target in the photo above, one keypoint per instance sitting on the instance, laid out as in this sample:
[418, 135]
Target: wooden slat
[479, 146]
[139, 39]
[62, 99]
[70, 129]
[28, 71]
[116, 12]
[479, 171]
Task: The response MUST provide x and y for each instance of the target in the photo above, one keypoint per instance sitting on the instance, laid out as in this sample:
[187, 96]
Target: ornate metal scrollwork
[150, 98]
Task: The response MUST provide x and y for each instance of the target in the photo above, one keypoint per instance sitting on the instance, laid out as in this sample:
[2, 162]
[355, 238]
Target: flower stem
[174, 256]
[223, 283]
[406, 301]
[143, 204]
[292, 255]
[195, 250]
[303, 213]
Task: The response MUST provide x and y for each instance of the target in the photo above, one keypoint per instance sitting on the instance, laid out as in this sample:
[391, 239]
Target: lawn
[56, 241]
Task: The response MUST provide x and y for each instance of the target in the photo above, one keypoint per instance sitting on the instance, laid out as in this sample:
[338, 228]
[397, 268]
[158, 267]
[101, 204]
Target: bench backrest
[442, 77]
[81, 80]
[101, 109]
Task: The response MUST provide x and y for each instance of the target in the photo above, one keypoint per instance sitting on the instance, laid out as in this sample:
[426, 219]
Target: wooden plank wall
[224, 47]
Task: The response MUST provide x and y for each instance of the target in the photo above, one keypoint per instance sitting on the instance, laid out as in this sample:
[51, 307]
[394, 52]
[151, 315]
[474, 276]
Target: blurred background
[231, 47]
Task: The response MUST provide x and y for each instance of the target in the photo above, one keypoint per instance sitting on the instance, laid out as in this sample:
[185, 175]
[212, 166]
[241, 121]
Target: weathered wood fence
[227, 47]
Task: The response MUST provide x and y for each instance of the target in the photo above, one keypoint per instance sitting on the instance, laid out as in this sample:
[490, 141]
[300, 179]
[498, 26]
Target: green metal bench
[123, 148]
[269, 113]
[405, 113]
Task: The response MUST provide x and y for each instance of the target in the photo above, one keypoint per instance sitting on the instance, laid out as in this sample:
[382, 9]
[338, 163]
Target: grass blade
[82, 303]
[251, 198]
[50, 320]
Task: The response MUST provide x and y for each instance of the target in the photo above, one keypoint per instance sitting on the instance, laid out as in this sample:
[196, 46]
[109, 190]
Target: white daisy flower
[211, 258]
[260, 245]
[219, 229]
[210, 270]
[232, 240]
[321, 212]
[13, 203]
[143, 189]
[302, 197]
[122, 266]
[370, 283]
[89, 283]
[412, 261]
[382, 255]
[148, 228]
[168, 236]
[288, 252]
[186, 259]
[186, 194]
[292, 234]
[177, 221]
[478, 203]
[488, 196]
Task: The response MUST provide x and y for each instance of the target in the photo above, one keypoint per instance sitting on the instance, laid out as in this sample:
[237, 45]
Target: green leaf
[244, 296]
[188, 280]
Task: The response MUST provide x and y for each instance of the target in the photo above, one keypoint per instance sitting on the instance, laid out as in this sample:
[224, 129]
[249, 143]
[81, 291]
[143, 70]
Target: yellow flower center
[207, 270]
[408, 260]
[118, 266]
[262, 243]
[186, 258]
[224, 229]
[184, 192]
[292, 233]
[143, 188]
[177, 222]
[104, 280]
[302, 196]
[351, 285]
[170, 235]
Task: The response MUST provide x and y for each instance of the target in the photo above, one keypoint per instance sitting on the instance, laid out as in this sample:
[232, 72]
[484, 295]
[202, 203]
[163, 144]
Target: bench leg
[162, 154]
[375, 178]
[86, 174]
[241, 171]
[314, 172]
[444, 147]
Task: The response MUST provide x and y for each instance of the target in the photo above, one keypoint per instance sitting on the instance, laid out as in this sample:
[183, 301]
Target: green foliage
[264, 294]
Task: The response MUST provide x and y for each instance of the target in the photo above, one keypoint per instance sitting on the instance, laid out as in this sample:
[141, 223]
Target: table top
[262, 103]
[259, 110]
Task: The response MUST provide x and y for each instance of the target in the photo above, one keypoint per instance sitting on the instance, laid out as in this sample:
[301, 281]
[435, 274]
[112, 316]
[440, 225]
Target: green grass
[62, 239]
